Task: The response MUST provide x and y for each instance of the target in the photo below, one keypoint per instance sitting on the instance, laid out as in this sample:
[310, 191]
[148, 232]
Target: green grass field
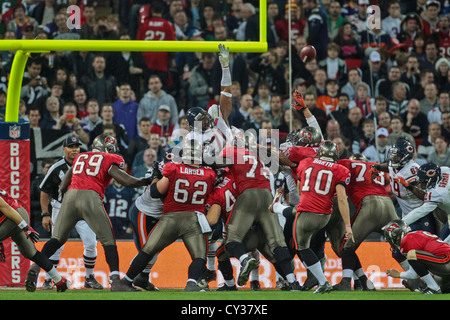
[241, 295]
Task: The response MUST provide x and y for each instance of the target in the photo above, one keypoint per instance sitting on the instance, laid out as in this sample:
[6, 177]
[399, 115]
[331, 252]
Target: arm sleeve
[419, 212]
[312, 122]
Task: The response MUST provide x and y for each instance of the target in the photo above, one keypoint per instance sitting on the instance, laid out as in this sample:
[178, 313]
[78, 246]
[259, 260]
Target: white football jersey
[291, 182]
[214, 140]
[438, 196]
[407, 200]
[148, 205]
[440, 193]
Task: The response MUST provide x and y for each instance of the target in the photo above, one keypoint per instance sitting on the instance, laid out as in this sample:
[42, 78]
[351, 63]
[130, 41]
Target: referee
[51, 194]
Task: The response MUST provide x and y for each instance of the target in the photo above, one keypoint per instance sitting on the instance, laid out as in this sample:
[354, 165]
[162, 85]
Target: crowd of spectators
[370, 84]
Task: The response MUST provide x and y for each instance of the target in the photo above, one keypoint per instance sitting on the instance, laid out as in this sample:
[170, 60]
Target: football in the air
[308, 53]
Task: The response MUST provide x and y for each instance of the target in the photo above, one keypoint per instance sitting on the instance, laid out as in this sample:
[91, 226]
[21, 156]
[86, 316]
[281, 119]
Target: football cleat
[210, 275]
[91, 283]
[326, 287]
[310, 281]
[247, 266]
[294, 286]
[47, 285]
[344, 285]
[141, 281]
[227, 288]
[32, 276]
[123, 285]
[63, 285]
[431, 291]
[193, 287]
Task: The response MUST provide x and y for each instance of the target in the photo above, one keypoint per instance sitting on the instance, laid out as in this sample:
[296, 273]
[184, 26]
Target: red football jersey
[297, 154]
[247, 170]
[318, 180]
[360, 181]
[424, 241]
[90, 171]
[156, 29]
[224, 194]
[189, 187]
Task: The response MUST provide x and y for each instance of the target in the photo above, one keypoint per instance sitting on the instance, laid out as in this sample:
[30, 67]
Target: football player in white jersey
[434, 181]
[403, 170]
[212, 126]
[144, 215]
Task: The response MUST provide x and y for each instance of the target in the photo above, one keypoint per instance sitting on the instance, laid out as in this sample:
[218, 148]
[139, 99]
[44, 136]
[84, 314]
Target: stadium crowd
[368, 86]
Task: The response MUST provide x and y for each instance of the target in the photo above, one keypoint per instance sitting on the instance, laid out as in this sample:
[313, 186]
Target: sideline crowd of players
[216, 173]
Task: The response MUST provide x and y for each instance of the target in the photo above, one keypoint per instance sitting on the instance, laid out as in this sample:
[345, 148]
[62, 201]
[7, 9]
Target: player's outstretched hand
[224, 56]
[298, 102]
[393, 273]
[32, 234]
[402, 181]
[374, 171]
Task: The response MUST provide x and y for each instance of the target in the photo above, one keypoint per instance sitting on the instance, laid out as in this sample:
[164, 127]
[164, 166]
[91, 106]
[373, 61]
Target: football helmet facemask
[428, 175]
[328, 151]
[105, 143]
[394, 232]
[309, 137]
[197, 114]
[400, 154]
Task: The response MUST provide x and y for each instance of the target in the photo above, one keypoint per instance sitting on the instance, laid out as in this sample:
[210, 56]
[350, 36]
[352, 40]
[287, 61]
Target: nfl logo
[14, 131]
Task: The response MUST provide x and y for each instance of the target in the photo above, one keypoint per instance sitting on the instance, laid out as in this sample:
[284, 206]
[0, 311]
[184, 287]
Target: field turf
[241, 295]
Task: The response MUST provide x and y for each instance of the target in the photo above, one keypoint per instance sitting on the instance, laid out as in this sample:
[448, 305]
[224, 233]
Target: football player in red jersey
[252, 182]
[156, 28]
[185, 187]
[374, 209]
[425, 251]
[84, 186]
[14, 224]
[320, 178]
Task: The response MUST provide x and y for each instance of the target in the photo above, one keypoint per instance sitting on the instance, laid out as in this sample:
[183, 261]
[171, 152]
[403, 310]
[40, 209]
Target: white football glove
[224, 56]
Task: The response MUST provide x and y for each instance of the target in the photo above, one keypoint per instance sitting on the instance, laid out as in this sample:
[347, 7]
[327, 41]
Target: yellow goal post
[23, 49]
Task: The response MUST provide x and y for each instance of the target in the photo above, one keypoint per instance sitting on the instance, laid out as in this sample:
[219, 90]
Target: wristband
[45, 214]
[348, 225]
[226, 94]
[23, 224]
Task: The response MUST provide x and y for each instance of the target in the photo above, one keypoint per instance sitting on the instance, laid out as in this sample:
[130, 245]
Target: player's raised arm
[225, 95]
[300, 104]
